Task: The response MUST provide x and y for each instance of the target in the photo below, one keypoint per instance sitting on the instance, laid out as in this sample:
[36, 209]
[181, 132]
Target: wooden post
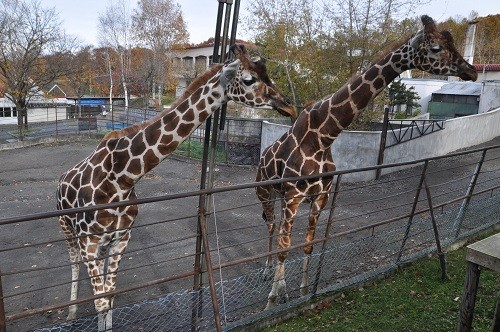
[468, 297]
[496, 318]
[482, 254]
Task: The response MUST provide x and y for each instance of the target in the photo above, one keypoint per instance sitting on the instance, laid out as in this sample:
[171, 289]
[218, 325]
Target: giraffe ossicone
[305, 148]
[109, 174]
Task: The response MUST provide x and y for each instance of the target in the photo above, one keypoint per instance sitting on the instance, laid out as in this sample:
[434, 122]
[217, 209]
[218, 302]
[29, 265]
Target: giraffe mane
[197, 82]
[394, 45]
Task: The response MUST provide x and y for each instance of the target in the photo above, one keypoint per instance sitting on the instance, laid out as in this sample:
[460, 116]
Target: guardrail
[405, 130]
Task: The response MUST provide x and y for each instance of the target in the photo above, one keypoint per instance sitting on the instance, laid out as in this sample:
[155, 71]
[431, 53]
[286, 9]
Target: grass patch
[413, 299]
[194, 149]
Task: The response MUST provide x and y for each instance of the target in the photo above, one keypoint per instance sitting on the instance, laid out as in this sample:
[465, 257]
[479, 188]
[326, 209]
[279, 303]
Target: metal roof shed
[454, 100]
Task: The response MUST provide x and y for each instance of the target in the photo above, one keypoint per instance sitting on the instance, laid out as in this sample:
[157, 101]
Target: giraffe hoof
[71, 316]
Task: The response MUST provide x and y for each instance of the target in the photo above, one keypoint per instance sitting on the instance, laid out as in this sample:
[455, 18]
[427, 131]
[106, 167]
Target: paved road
[28, 179]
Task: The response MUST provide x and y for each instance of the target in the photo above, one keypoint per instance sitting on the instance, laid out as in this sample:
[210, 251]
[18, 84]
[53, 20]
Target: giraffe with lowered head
[109, 174]
[305, 148]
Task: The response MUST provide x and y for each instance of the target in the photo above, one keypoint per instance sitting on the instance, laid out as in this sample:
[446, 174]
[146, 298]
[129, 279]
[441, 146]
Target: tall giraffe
[305, 148]
[109, 174]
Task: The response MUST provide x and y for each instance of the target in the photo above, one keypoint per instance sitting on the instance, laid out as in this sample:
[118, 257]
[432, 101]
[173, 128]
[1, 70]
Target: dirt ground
[28, 180]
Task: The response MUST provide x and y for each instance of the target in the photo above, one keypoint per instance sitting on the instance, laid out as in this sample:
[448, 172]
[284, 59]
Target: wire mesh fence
[377, 226]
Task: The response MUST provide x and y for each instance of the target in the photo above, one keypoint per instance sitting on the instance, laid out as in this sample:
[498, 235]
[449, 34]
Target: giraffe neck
[335, 112]
[137, 150]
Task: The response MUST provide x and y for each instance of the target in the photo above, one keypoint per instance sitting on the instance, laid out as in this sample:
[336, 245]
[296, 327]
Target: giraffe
[109, 174]
[305, 148]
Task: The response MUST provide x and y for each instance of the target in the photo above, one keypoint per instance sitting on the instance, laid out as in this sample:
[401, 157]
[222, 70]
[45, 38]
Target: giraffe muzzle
[468, 73]
[286, 110]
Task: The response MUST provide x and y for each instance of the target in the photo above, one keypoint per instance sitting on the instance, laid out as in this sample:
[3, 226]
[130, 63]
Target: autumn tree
[486, 43]
[114, 34]
[315, 47]
[79, 79]
[289, 34]
[159, 26]
[487, 40]
[34, 52]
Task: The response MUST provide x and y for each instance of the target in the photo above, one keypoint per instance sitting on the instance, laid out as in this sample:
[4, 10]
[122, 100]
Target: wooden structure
[482, 254]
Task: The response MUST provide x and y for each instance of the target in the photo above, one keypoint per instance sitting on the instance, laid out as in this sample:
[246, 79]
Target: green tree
[399, 94]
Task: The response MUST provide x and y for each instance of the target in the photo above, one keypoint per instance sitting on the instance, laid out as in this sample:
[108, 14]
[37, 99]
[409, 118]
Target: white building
[192, 61]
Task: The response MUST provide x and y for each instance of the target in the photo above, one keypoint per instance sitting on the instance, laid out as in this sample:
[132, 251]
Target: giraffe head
[248, 83]
[435, 52]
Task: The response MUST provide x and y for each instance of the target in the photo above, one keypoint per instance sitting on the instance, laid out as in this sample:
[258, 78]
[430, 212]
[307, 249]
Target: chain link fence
[377, 226]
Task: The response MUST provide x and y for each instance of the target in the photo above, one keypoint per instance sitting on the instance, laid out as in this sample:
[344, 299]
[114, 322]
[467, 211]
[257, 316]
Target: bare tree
[114, 33]
[159, 25]
[33, 52]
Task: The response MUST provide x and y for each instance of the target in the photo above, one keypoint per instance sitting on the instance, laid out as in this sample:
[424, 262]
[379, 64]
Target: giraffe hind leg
[267, 198]
[74, 256]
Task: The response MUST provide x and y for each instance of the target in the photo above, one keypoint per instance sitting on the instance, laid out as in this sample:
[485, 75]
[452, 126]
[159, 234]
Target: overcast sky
[80, 17]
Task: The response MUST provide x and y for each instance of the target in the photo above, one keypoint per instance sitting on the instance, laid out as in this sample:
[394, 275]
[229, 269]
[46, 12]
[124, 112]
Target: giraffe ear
[428, 22]
[229, 72]
[240, 52]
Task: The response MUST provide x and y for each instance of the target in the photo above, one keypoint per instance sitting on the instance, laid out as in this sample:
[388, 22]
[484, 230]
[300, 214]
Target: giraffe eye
[436, 49]
[249, 81]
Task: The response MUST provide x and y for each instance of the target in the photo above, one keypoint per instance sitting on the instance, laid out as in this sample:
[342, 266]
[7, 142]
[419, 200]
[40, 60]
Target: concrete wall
[490, 96]
[358, 149]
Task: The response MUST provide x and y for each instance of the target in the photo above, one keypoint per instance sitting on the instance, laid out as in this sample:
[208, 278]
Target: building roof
[460, 88]
[487, 67]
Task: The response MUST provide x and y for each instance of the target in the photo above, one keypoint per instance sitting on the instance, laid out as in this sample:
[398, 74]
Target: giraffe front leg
[94, 266]
[117, 247]
[279, 286]
[284, 240]
[304, 284]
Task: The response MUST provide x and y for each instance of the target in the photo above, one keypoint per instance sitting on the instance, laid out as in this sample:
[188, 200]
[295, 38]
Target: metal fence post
[412, 213]
[3, 327]
[470, 189]
[441, 254]
[327, 232]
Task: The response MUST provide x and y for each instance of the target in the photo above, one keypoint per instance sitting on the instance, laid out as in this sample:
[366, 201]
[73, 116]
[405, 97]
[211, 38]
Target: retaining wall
[358, 149]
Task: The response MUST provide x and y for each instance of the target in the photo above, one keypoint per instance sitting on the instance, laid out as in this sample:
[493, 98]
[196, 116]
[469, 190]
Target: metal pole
[208, 162]
[465, 203]
[232, 40]
[327, 232]
[383, 139]
[3, 326]
[412, 213]
[441, 254]
[211, 281]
